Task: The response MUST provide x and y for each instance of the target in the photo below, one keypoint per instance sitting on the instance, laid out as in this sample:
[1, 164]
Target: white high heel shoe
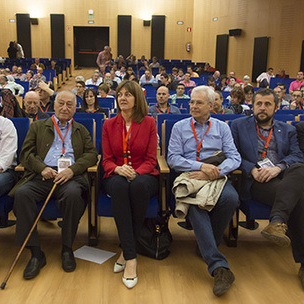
[119, 267]
[130, 282]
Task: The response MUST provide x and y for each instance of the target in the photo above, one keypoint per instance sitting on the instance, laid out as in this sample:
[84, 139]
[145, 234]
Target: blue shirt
[182, 145]
[56, 149]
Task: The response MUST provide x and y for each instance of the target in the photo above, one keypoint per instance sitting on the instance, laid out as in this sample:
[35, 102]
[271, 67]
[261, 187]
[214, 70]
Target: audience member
[90, 103]
[4, 84]
[180, 89]
[165, 81]
[282, 104]
[218, 105]
[8, 149]
[296, 85]
[129, 143]
[20, 53]
[37, 65]
[249, 92]
[104, 58]
[187, 82]
[186, 154]
[154, 63]
[43, 153]
[94, 80]
[263, 79]
[31, 106]
[163, 106]
[272, 167]
[147, 78]
[296, 100]
[190, 71]
[12, 50]
[46, 97]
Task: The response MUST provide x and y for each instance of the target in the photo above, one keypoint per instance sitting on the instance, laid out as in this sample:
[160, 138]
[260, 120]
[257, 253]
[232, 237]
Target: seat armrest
[19, 168]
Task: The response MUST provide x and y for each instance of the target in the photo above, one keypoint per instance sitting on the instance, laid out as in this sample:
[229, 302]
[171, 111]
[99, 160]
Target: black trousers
[285, 194]
[130, 201]
[70, 199]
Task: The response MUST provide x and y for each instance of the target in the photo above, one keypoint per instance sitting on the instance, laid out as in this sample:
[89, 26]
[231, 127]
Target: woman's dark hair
[248, 89]
[104, 87]
[140, 109]
[239, 94]
[85, 94]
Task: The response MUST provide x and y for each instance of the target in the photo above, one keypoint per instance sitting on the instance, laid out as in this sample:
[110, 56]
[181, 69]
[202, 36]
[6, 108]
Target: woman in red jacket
[129, 143]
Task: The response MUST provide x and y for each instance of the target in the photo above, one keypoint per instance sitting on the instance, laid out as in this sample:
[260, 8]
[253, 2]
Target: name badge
[63, 163]
[265, 163]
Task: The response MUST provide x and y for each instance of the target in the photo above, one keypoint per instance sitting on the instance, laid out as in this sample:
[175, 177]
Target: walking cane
[27, 238]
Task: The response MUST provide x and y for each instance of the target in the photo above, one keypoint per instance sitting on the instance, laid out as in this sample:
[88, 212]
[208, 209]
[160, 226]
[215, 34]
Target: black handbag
[155, 238]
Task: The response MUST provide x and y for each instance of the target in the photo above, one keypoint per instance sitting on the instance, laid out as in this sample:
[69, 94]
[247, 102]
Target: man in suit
[273, 171]
[49, 144]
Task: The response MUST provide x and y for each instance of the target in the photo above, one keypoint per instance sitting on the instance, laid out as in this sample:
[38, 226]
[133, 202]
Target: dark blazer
[142, 145]
[38, 142]
[246, 140]
[300, 131]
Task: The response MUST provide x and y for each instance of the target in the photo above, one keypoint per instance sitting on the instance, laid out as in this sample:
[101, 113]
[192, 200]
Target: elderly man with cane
[57, 151]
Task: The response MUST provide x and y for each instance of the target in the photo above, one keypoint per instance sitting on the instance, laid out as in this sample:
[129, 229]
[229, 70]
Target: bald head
[31, 102]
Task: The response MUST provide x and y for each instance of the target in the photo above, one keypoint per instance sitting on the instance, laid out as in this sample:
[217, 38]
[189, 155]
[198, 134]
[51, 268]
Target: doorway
[88, 42]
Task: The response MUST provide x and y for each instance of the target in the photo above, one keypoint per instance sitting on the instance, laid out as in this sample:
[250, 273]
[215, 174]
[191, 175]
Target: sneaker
[223, 279]
[276, 232]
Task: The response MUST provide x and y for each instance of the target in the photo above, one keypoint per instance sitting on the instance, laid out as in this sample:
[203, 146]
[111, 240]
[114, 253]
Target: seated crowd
[58, 150]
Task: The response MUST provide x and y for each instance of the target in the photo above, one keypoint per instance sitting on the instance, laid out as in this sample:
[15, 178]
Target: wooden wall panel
[280, 20]
[24, 33]
[57, 36]
[124, 35]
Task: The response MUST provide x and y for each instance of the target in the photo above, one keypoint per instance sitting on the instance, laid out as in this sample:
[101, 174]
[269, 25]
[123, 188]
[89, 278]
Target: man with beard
[273, 171]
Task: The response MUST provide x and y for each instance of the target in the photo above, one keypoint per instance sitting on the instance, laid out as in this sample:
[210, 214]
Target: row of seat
[100, 204]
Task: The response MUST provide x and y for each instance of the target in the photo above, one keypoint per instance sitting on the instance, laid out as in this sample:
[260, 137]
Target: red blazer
[141, 149]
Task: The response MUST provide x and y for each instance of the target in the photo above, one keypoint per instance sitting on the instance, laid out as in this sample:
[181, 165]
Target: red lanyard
[45, 109]
[160, 112]
[266, 139]
[223, 112]
[198, 145]
[59, 133]
[125, 141]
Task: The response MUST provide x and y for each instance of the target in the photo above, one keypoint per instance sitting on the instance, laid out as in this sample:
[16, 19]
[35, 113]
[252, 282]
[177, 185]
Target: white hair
[206, 90]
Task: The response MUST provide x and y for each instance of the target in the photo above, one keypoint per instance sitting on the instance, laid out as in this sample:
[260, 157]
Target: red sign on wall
[188, 29]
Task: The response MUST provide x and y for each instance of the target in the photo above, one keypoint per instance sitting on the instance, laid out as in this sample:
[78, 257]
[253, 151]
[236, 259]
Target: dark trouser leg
[118, 188]
[282, 192]
[142, 188]
[202, 222]
[71, 203]
[286, 195]
[296, 231]
[7, 180]
[25, 208]
[223, 211]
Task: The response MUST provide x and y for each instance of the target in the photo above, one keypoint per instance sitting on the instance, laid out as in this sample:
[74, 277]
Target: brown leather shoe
[301, 276]
[276, 232]
[223, 279]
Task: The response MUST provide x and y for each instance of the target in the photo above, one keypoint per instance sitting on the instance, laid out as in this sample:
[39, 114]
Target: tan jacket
[203, 193]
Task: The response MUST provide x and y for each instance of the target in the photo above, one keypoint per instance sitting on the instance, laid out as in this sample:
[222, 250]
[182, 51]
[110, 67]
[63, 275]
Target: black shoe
[33, 267]
[223, 279]
[68, 261]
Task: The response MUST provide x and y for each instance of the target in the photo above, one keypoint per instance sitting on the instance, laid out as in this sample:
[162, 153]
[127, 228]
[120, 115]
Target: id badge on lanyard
[63, 163]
